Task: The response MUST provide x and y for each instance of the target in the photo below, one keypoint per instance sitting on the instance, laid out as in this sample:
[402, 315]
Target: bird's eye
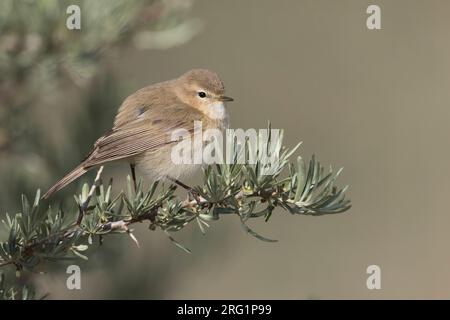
[201, 94]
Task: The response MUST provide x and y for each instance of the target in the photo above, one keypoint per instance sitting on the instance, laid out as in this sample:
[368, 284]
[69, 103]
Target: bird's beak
[225, 98]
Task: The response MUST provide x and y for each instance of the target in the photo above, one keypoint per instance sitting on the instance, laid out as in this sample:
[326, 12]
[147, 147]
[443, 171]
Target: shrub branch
[36, 234]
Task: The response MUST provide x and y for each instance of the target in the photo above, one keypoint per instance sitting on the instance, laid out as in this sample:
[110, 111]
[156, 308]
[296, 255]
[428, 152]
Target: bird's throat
[216, 111]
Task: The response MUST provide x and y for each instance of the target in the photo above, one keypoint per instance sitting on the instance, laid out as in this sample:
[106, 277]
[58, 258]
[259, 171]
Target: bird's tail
[74, 174]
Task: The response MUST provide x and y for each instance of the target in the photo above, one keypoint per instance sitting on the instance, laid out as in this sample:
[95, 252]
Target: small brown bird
[143, 127]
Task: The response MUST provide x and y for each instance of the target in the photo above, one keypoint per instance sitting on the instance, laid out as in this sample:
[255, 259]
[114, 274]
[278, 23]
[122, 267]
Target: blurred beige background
[374, 102]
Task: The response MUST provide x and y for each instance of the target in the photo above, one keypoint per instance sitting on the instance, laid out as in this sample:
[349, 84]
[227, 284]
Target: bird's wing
[148, 130]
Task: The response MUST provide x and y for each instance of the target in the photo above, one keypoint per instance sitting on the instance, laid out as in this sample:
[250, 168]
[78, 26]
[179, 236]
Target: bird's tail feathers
[74, 174]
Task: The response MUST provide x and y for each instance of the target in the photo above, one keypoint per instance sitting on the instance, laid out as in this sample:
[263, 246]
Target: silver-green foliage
[37, 234]
[37, 50]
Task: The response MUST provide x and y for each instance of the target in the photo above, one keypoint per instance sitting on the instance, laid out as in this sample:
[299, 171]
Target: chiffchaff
[142, 129]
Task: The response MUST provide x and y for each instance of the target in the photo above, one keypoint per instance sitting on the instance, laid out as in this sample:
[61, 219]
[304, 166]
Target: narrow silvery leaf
[254, 234]
[301, 181]
[177, 243]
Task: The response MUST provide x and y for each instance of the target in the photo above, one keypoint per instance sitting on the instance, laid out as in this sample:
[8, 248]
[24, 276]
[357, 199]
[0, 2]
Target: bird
[142, 131]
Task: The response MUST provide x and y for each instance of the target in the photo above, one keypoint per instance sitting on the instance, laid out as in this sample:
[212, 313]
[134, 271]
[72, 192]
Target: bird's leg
[181, 184]
[186, 187]
[133, 175]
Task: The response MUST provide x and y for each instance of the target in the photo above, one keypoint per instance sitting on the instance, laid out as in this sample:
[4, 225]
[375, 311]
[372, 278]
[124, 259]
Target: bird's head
[203, 90]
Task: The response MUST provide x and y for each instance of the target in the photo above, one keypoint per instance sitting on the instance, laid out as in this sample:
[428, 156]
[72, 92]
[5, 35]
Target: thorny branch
[36, 235]
[84, 206]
